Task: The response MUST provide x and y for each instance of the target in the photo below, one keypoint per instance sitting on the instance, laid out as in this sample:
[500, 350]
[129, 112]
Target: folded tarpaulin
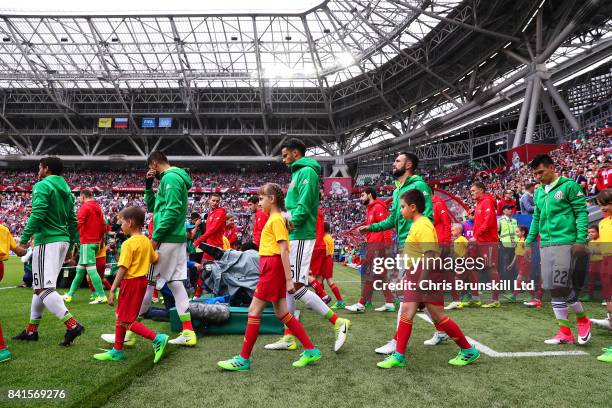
[235, 270]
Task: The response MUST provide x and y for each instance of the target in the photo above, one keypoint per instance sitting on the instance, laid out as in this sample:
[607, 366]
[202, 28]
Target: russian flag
[121, 123]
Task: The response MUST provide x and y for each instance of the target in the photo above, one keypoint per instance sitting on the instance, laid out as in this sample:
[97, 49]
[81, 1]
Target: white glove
[26, 258]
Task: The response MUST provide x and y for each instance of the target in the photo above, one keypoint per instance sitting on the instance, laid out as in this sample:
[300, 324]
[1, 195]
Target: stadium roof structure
[342, 75]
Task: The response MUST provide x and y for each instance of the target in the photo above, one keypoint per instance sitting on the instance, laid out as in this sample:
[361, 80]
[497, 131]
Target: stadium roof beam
[262, 88]
[459, 23]
[100, 53]
[320, 79]
[389, 41]
[46, 85]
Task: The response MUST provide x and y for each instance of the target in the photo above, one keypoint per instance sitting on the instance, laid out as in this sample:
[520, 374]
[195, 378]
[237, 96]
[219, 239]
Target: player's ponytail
[276, 191]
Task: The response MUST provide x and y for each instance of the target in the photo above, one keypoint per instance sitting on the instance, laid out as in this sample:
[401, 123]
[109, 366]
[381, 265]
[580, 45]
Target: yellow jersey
[595, 244]
[460, 247]
[275, 230]
[137, 255]
[605, 236]
[519, 250]
[329, 244]
[226, 243]
[421, 239]
[7, 243]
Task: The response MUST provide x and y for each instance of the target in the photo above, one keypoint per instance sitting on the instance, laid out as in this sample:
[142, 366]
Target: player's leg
[36, 307]
[467, 353]
[101, 268]
[52, 259]
[76, 283]
[5, 354]
[87, 259]
[300, 262]
[402, 336]
[556, 281]
[175, 273]
[242, 362]
[328, 275]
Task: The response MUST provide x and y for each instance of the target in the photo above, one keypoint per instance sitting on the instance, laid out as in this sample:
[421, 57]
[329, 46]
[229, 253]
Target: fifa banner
[148, 123]
[340, 186]
[517, 157]
[105, 122]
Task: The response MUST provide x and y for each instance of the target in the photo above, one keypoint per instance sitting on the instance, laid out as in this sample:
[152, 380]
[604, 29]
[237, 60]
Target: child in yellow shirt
[137, 255]
[422, 242]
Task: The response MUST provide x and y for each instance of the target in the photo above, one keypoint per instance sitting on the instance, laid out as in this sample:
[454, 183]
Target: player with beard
[404, 168]
[378, 245]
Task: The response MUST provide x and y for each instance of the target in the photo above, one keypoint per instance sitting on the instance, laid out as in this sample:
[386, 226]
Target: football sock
[298, 330]
[146, 300]
[2, 343]
[142, 330]
[404, 329]
[366, 292]
[95, 280]
[290, 303]
[474, 279]
[78, 279]
[318, 288]
[495, 293]
[36, 310]
[336, 291]
[181, 299]
[119, 336]
[250, 336]
[331, 316]
[314, 302]
[101, 267]
[69, 321]
[186, 321]
[448, 326]
[54, 302]
[559, 306]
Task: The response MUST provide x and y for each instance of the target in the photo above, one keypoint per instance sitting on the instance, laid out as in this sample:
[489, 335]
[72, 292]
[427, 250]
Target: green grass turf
[350, 378]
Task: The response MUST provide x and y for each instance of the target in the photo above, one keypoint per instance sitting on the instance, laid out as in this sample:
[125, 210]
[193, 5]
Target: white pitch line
[8, 287]
[497, 354]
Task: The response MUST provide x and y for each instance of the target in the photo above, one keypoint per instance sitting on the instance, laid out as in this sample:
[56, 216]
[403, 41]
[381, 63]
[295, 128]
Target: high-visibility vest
[507, 234]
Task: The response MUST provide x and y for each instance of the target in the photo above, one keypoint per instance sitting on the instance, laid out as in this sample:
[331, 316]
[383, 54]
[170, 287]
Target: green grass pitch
[349, 378]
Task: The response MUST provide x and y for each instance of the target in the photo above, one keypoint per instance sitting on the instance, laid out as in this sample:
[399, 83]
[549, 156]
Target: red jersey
[485, 221]
[502, 202]
[604, 179]
[261, 217]
[442, 220]
[376, 211]
[90, 223]
[320, 231]
[215, 228]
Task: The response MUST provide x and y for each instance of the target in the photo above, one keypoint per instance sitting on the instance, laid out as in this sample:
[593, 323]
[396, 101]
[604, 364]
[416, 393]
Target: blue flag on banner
[147, 123]
[165, 122]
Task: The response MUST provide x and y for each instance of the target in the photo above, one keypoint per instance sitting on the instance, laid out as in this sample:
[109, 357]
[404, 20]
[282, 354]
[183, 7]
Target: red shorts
[488, 251]
[432, 292]
[606, 278]
[523, 267]
[327, 272]
[317, 262]
[1, 270]
[272, 284]
[131, 293]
